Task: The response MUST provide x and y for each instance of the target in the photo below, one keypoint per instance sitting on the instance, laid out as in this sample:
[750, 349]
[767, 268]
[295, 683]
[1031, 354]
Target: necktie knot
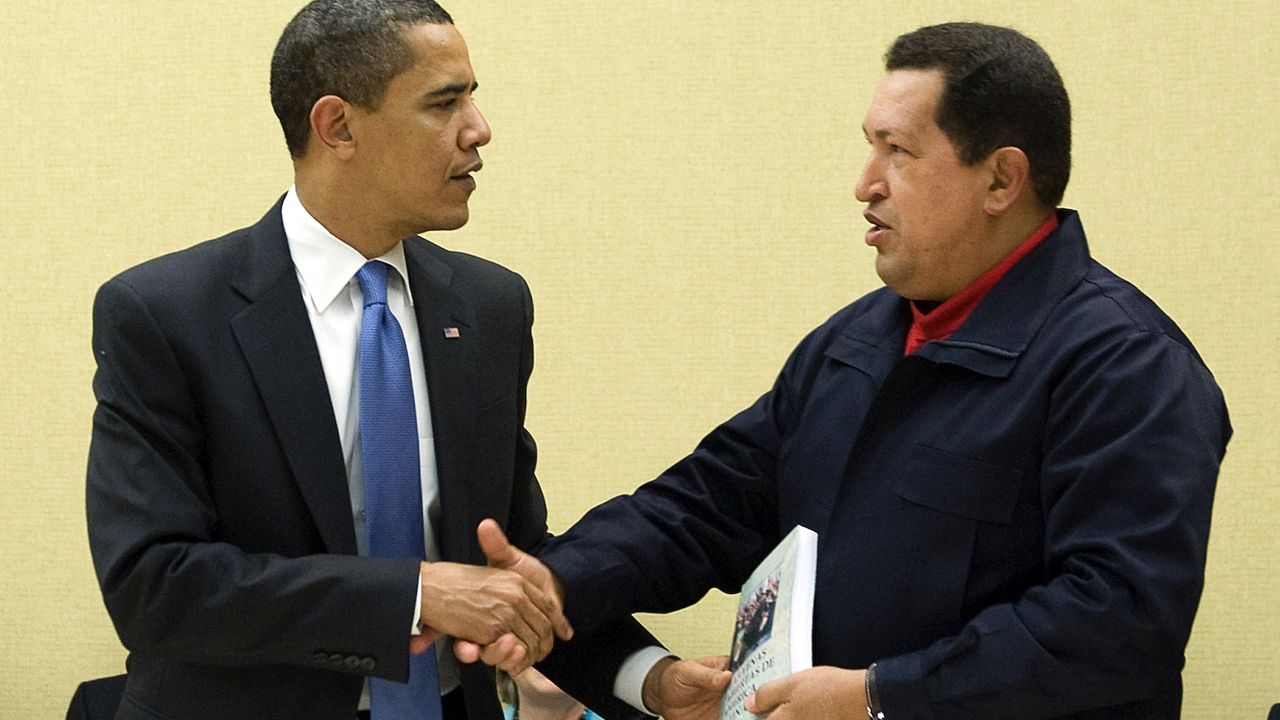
[373, 282]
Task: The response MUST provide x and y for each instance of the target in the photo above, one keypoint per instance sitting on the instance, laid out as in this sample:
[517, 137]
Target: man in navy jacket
[1009, 453]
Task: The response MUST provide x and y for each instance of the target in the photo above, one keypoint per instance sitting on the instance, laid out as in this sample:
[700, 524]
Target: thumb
[711, 673]
[500, 553]
[715, 662]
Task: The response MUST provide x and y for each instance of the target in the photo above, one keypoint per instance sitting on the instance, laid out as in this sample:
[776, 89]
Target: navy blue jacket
[1013, 521]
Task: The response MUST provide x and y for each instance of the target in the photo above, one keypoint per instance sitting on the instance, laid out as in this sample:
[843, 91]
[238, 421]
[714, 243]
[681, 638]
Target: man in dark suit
[1009, 453]
[226, 496]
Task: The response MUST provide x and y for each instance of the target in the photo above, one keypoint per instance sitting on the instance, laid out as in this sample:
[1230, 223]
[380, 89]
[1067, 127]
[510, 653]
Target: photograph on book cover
[755, 620]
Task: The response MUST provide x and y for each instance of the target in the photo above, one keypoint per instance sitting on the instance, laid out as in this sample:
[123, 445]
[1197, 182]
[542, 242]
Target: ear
[330, 130]
[1010, 179]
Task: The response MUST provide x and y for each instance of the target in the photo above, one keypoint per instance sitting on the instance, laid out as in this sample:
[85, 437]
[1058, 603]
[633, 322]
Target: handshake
[509, 614]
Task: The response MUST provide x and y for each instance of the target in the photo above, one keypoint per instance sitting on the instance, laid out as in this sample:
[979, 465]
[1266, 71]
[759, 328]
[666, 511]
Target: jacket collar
[1001, 328]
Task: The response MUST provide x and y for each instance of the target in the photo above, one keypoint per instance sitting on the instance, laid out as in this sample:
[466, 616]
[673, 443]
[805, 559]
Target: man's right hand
[507, 653]
[487, 606]
[687, 689]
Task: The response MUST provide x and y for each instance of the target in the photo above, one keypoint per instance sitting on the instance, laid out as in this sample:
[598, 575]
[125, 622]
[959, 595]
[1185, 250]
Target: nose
[871, 184]
[477, 131]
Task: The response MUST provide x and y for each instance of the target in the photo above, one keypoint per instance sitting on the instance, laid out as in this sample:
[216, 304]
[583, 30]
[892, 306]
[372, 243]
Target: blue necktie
[392, 482]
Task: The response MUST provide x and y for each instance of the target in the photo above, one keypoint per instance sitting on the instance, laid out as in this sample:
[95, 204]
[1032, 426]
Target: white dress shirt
[326, 269]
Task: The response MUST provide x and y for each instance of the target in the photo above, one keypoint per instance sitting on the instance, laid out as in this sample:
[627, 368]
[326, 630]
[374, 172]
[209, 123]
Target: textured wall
[675, 180]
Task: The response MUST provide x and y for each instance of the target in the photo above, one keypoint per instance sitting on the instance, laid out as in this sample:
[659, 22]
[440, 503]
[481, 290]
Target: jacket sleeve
[704, 523]
[170, 586]
[1136, 432]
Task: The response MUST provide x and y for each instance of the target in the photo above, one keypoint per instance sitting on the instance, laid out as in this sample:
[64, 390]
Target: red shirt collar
[946, 318]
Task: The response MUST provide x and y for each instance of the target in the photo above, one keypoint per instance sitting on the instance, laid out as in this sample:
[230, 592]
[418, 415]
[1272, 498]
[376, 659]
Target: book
[773, 633]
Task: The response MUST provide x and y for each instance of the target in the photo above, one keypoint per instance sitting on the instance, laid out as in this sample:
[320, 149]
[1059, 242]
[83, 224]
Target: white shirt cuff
[417, 612]
[628, 686]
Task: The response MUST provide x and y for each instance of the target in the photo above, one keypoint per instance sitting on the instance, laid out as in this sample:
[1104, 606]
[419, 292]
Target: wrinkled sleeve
[704, 523]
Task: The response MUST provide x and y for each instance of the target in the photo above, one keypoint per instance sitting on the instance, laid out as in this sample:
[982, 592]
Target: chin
[451, 222]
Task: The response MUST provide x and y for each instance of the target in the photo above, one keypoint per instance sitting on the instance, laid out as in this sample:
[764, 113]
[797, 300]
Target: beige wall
[675, 181]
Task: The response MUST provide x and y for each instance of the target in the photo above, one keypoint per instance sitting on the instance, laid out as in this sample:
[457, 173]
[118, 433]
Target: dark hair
[1001, 89]
[348, 48]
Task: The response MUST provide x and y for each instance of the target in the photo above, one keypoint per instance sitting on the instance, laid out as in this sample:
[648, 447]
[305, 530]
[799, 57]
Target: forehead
[440, 52]
[904, 103]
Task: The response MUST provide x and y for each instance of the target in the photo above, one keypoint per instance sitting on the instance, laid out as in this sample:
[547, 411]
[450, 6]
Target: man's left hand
[687, 689]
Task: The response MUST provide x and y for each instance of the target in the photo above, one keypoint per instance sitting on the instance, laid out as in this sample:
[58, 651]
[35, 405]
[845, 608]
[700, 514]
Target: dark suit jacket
[1012, 522]
[96, 699]
[219, 516]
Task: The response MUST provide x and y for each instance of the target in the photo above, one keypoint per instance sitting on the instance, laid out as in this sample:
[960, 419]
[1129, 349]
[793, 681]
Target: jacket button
[320, 657]
[336, 659]
[368, 664]
[352, 662]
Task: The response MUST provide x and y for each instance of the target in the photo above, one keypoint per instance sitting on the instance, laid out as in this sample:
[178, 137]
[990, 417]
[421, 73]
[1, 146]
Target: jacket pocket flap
[959, 485]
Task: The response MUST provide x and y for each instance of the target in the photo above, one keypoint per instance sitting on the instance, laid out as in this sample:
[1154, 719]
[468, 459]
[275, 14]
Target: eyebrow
[453, 89]
[879, 134]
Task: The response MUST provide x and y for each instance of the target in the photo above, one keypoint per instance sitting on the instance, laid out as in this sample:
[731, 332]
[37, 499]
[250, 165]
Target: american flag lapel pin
[451, 333]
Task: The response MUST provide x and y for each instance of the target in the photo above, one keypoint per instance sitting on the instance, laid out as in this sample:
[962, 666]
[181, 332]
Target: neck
[342, 213]
[1009, 231]
[1018, 225]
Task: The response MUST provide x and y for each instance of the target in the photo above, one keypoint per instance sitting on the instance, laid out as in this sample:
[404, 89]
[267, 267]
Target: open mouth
[878, 228]
[465, 178]
[466, 172]
[876, 222]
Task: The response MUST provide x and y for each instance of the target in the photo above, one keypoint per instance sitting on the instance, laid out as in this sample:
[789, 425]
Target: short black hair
[1001, 89]
[348, 48]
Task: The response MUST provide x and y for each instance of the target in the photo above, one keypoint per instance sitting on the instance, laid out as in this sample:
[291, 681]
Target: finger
[502, 651]
[499, 551]
[547, 594]
[508, 654]
[559, 622]
[466, 651]
[548, 601]
[563, 629]
[531, 626]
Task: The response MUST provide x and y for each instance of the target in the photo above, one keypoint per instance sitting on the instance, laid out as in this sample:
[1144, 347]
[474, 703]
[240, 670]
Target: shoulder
[474, 277]
[189, 291]
[187, 272]
[469, 267]
[1107, 308]
[206, 269]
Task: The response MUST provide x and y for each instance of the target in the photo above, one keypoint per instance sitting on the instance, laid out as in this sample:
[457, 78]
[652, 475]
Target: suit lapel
[452, 384]
[279, 346]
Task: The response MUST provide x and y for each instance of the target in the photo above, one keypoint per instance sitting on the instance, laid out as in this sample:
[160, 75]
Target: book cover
[772, 636]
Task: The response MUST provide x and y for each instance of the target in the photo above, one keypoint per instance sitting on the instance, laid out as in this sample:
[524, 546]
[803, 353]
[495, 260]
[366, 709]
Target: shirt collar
[325, 264]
